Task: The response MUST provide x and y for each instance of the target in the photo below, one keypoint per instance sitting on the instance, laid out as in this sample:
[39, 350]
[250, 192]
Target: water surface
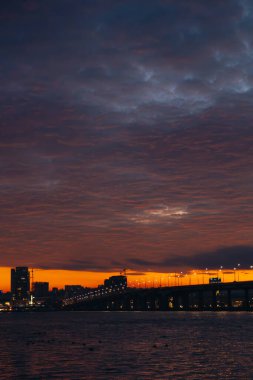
[126, 345]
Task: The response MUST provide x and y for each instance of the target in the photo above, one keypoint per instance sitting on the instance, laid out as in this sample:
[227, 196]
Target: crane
[124, 272]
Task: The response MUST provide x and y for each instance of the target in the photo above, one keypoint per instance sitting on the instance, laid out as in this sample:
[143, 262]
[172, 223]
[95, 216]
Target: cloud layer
[126, 133]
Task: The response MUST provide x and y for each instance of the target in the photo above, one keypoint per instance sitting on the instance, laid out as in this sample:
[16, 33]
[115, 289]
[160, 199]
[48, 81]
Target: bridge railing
[94, 294]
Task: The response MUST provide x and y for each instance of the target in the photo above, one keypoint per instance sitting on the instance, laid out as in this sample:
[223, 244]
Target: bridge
[216, 296]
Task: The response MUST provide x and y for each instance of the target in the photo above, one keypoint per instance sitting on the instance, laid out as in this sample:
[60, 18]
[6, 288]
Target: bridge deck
[215, 296]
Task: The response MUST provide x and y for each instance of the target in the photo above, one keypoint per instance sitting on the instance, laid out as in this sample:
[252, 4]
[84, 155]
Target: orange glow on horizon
[60, 278]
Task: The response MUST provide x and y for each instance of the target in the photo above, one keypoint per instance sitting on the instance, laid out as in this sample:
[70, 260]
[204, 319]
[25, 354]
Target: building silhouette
[116, 281]
[74, 290]
[20, 283]
[40, 289]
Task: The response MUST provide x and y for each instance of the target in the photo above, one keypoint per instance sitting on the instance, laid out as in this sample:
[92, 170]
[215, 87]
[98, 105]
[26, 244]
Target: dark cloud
[126, 133]
[228, 257]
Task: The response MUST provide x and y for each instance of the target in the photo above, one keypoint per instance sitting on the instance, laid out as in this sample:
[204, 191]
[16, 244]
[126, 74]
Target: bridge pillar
[152, 301]
[186, 301]
[130, 303]
[142, 303]
[176, 302]
[138, 302]
[229, 298]
[118, 304]
[200, 300]
[214, 299]
[126, 303]
[103, 305]
[163, 302]
[246, 298]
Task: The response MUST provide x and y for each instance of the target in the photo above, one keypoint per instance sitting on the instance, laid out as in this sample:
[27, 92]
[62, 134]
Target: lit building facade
[20, 283]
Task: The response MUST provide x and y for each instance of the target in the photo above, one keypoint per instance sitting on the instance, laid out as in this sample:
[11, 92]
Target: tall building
[116, 281]
[40, 289]
[20, 283]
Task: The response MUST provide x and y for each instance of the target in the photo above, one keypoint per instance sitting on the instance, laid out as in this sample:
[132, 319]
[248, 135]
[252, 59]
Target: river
[126, 345]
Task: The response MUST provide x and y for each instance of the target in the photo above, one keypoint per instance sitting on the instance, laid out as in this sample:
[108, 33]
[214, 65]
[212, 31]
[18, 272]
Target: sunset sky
[126, 137]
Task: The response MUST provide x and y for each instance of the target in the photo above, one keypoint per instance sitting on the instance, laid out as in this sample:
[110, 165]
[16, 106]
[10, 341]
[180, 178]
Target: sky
[126, 137]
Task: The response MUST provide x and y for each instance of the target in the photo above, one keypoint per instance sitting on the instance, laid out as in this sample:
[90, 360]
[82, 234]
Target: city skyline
[59, 279]
[126, 136]
[194, 291]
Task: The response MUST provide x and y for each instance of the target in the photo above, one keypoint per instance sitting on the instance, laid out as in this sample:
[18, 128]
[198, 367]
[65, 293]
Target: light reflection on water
[126, 345]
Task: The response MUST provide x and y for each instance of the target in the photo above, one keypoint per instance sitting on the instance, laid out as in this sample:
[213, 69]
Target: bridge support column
[163, 302]
[126, 303]
[186, 301]
[246, 298]
[152, 303]
[200, 300]
[229, 298]
[176, 302]
[118, 304]
[140, 302]
[214, 299]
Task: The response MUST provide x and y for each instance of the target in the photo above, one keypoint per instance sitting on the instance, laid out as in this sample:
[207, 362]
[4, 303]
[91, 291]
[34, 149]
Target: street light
[181, 276]
[222, 274]
[207, 274]
[238, 265]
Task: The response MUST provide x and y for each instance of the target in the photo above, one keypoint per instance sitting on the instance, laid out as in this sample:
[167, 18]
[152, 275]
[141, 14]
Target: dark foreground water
[126, 345]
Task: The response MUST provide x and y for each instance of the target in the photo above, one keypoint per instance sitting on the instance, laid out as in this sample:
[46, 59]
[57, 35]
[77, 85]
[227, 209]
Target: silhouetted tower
[32, 276]
[20, 283]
